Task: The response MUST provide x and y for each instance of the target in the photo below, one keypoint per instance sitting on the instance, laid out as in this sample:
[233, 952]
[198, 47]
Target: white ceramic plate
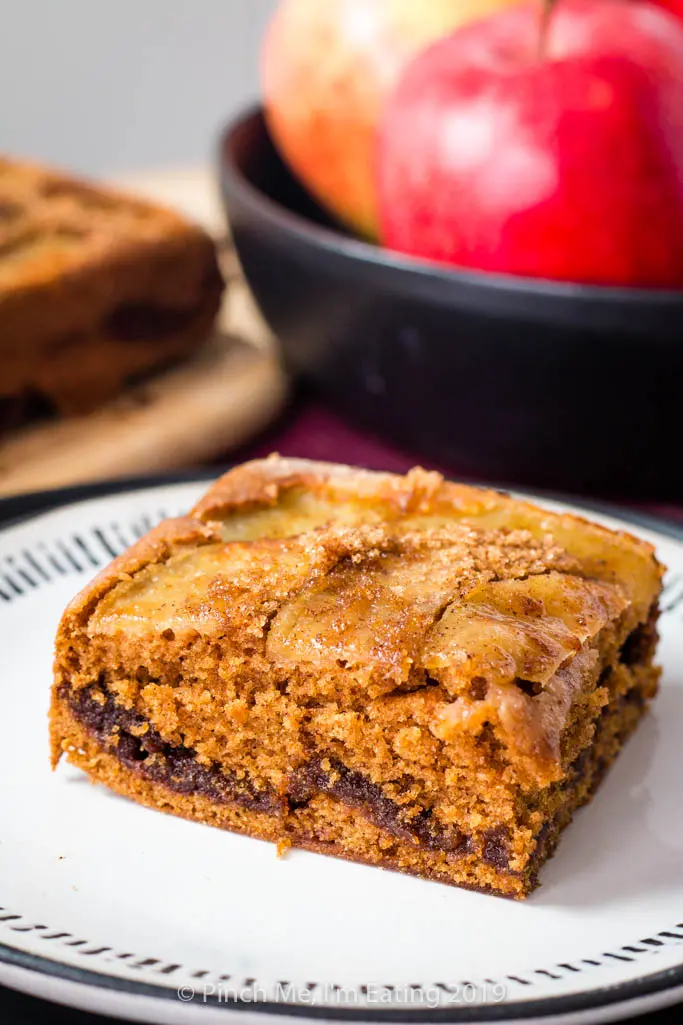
[115, 908]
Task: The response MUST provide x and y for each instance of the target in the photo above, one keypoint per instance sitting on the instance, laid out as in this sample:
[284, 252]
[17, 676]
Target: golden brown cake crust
[95, 288]
[445, 669]
[158, 545]
[262, 482]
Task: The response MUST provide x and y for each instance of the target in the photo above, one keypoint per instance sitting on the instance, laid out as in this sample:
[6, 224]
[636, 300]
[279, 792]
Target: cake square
[400, 671]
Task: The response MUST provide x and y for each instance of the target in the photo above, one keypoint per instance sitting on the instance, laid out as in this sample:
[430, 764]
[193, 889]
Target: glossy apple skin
[675, 6]
[327, 67]
[565, 166]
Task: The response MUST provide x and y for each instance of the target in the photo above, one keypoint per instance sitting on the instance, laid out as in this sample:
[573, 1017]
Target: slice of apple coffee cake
[397, 670]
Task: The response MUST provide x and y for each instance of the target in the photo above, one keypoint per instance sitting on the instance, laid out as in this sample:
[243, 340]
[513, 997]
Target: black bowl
[537, 382]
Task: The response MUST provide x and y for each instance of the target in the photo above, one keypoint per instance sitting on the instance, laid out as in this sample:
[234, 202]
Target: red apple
[557, 159]
[327, 68]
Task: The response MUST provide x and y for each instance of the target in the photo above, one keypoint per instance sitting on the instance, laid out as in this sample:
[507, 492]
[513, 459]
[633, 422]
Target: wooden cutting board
[228, 391]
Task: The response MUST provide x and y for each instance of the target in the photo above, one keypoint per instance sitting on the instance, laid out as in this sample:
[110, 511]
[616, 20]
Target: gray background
[117, 85]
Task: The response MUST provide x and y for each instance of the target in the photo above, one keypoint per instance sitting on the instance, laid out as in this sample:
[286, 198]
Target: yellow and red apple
[328, 67]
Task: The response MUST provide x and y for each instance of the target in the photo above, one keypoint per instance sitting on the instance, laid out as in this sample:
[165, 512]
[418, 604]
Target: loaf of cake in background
[96, 289]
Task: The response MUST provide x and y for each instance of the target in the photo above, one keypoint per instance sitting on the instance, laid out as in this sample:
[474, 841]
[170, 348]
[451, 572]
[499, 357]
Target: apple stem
[546, 17]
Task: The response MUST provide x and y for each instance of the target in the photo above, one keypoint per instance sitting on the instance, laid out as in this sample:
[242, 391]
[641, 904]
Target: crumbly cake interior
[395, 670]
[96, 288]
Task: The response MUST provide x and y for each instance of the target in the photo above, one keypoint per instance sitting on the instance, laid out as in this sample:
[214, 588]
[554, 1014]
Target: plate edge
[15, 510]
